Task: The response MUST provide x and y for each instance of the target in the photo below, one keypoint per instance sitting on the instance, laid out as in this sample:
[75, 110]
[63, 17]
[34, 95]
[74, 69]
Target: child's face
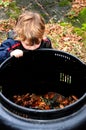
[28, 47]
[25, 44]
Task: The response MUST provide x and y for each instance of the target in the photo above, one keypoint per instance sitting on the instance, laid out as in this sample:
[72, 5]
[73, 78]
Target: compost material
[50, 100]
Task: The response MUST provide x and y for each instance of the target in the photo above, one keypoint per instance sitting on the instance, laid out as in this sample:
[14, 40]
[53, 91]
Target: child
[27, 35]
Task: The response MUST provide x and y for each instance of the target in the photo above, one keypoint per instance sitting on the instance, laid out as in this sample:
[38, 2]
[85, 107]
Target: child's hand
[17, 53]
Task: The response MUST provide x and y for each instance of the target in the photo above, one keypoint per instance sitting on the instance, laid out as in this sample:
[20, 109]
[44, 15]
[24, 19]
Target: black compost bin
[42, 71]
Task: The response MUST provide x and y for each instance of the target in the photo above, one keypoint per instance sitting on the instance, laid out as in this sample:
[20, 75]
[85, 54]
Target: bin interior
[43, 71]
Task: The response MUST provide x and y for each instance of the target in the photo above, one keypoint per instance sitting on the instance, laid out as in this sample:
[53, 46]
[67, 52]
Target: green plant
[13, 10]
[64, 24]
[64, 3]
[78, 31]
[4, 3]
[71, 14]
[78, 20]
[83, 27]
[81, 30]
[82, 16]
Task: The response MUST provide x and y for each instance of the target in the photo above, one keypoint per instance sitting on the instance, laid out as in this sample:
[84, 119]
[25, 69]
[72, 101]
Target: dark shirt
[10, 44]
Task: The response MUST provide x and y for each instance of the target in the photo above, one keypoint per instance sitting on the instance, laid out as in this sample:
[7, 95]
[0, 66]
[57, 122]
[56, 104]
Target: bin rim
[55, 51]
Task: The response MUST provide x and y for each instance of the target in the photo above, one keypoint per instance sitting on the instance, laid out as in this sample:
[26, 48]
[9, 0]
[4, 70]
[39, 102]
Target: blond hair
[30, 26]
